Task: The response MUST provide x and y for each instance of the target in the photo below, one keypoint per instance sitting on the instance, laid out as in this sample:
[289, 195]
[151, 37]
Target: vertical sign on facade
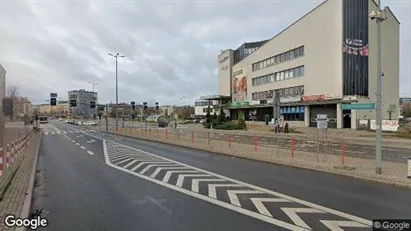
[355, 47]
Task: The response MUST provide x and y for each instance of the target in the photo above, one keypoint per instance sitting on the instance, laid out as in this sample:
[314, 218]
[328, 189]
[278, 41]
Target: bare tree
[12, 92]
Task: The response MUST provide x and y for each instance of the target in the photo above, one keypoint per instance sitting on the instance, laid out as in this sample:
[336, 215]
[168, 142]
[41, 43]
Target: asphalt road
[93, 181]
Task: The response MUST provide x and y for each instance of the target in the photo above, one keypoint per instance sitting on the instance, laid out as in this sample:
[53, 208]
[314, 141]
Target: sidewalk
[393, 173]
[15, 195]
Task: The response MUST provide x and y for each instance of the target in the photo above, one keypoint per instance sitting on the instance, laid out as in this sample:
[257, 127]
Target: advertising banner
[387, 125]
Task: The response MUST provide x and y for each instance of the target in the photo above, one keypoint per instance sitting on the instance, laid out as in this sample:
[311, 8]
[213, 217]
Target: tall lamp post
[379, 16]
[93, 84]
[116, 57]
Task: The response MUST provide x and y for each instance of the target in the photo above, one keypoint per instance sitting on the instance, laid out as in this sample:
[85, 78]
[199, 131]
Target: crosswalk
[269, 206]
[59, 132]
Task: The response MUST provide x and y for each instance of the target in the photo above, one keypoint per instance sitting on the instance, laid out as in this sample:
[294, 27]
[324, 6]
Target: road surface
[93, 181]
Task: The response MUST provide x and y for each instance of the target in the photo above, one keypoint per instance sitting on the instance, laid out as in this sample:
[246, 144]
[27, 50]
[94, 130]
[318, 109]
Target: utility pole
[379, 16]
[116, 56]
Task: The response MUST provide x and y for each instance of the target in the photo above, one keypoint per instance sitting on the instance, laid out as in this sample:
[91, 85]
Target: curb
[27, 200]
[319, 171]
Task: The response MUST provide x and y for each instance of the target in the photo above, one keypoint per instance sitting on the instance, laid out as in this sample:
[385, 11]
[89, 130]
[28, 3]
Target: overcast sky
[171, 48]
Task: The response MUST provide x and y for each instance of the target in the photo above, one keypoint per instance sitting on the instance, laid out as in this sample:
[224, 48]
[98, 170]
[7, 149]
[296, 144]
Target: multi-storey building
[323, 60]
[83, 100]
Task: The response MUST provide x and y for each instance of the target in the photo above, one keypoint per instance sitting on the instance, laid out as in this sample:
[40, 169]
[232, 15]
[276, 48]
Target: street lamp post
[378, 16]
[116, 56]
[93, 84]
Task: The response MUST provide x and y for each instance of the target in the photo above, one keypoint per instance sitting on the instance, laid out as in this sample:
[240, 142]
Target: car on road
[202, 121]
[162, 121]
[43, 119]
[90, 123]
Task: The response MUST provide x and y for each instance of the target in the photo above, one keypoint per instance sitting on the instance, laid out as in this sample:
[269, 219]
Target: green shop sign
[239, 104]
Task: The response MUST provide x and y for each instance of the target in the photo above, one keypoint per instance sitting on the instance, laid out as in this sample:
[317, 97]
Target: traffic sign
[322, 121]
[358, 106]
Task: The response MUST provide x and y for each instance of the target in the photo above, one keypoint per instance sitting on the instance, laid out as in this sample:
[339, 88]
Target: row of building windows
[280, 58]
[203, 103]
[279, 76]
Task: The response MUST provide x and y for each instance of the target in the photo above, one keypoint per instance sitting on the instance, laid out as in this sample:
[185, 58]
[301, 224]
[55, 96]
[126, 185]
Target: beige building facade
[318, 65]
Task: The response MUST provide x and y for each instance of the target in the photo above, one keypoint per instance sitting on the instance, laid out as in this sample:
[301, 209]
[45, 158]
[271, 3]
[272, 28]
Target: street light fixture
[94, 84]
[379, 16]
[116, 56]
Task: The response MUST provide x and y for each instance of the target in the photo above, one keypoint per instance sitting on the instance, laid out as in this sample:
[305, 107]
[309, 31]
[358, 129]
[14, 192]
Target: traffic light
[157, 103]
[73, 103]
[145, 105]
[53, 101]
[133, 105]
[92, 104]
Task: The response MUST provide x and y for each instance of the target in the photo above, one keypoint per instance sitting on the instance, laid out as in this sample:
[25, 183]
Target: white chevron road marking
[90, 152]
[171, 167]
[148, 162]
[159, 164]
[232, 195]
[256, 215]
[212, 189]
[91, 141]
[292, 214]
[195, 183]
[169, 173]
[119, 158]
[335, 225]
[123, 161]
[180, 179]
[258, 202]
[129, 164]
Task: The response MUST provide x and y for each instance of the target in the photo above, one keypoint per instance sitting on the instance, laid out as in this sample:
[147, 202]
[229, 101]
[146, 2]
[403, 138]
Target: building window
[280, 58]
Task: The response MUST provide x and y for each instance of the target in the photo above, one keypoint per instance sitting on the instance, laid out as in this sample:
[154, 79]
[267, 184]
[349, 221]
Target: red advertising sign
[311, 98]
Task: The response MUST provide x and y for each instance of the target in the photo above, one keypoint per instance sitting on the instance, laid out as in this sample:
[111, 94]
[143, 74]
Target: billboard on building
[239, 88]
[355, 47]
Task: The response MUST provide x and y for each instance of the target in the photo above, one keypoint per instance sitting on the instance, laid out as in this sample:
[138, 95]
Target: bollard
[166, 134]
[229, 140]
[1, 161]
[409, 167]
[256, 143]
[13, 151]
[192, 137]
[292, 146]
[342, 152]
[7, 156]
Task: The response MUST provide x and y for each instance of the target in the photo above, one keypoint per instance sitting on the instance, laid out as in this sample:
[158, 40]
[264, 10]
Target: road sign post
[322, 123]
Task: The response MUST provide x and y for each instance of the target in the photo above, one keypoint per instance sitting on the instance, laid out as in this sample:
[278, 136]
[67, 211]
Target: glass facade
[293, 113]
[355, 47]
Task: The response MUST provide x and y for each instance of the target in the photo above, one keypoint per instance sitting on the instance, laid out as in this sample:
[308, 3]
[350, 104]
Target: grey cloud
[171, 48]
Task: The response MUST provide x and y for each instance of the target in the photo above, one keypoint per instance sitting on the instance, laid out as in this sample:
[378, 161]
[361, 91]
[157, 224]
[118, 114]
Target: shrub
[241, 124]
[226, 126]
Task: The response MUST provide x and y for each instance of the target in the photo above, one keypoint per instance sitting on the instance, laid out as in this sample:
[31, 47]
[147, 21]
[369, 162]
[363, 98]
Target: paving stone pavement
[394, 173]
[16, 193]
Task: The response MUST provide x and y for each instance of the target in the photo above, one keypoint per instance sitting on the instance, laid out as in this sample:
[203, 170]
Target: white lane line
[82, 147]
[229, 206]
[46, 133]
[77, 144]
[53, 133]
[90, 152]
[73, 141]
[64, 132]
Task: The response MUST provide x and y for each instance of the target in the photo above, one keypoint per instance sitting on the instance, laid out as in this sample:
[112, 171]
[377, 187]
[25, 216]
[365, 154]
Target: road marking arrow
[212, 189]
[169, 173]
[180, 179]
[335, 225]
[157, 171]
[194, 184]
[258, 202]
[292, 214]
[90, 141]
[232, 195]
